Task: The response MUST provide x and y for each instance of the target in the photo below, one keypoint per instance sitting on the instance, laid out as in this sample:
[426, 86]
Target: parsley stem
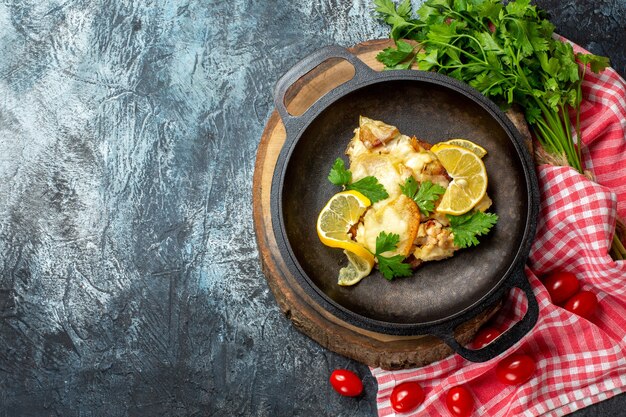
[477, 43]
[573, 155]
[406, 34]
[467, 18]
[579, 98]
[555, 134]
[474, 57]
[547, 137]
[618, 248]
[486, 90]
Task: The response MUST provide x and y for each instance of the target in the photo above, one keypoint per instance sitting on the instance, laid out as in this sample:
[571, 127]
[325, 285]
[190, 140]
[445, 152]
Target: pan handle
[506, 339]
[361, 71]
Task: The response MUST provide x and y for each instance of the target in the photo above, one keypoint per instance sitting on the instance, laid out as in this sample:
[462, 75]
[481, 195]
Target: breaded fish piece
[399, 215]
[374, 132]
[389, 171]
[408, 155]
[433, 242]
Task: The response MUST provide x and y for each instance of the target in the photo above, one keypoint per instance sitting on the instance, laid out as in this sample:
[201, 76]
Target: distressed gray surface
[129, 276]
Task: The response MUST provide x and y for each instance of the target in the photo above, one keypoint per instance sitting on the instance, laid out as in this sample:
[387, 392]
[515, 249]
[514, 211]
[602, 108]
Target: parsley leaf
[424, 196]
[410, 187]
[598, 63]
[399, 18]
[469, 225]
[393, 267]
[339, 175]
[393, 57]
[390, 266]
[386, 242]
[387, 9]
[427, 195]
[368, 186]
[404, 9]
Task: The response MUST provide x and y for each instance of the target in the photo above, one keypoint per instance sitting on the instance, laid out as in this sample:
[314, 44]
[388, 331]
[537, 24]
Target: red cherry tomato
[584, 304]
[460, 401]
[407, 396]
[516, 369]
[561, 286]
[485, 336]
[346, 382]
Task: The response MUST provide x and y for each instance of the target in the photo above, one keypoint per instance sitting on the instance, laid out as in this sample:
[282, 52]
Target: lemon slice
[469, 179]
[357, 269]
[463, 143]
[343, 211]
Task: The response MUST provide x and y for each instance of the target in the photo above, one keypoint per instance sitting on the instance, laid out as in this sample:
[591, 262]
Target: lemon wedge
[463, 143]
[469, 179]
[343, 211]
[357, 269]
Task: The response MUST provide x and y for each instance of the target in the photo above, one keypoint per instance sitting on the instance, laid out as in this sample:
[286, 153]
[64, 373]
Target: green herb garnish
[390, 266]
[469, 225]
[400, 57]
[507, 52]
[339, 175]
[424, 194]
[368, 186]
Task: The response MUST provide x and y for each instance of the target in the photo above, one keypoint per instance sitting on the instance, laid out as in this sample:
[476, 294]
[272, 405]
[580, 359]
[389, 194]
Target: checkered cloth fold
[579, 361]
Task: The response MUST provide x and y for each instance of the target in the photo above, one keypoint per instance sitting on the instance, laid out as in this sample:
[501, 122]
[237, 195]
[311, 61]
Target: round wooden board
[370, 348]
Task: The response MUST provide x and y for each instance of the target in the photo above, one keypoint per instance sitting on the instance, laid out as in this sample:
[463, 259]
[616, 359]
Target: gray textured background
[129, 276]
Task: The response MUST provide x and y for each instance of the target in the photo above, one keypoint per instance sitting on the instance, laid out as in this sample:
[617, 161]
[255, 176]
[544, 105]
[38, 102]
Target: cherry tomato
[561, 286]
[460, 401]
[584, 304]
[407, 396]
[516, 369]
[485, 336]
[346, 382]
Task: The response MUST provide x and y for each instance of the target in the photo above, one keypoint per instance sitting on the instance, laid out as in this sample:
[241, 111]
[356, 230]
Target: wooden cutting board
[371, 348]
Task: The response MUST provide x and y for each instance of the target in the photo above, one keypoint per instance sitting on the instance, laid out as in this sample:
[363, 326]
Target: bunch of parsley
[510, 53]
[507, 52]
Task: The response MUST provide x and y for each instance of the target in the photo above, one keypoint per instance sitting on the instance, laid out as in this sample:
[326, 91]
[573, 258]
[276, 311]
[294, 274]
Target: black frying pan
[440, 295]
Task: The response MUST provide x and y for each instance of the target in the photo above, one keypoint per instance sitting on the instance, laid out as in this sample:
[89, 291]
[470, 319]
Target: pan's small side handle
[308, 64]
[506, 339]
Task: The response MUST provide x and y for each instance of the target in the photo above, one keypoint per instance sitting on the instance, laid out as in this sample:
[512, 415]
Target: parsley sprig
[506, 51]
[390, 266]
[469, 225]
[368, 186]
[424, 194]
[400, 57]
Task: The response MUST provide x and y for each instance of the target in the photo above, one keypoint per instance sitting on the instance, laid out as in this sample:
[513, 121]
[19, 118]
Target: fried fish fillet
[380, 150]
[399, 215]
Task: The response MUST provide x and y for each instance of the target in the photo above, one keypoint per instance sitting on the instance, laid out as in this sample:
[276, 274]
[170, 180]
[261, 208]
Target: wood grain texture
[130, 282]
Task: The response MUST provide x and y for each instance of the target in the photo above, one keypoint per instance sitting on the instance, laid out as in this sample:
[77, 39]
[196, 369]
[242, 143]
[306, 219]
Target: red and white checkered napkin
[579, 361]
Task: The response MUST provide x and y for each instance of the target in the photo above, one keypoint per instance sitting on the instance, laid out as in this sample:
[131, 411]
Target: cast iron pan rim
[306, 119]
